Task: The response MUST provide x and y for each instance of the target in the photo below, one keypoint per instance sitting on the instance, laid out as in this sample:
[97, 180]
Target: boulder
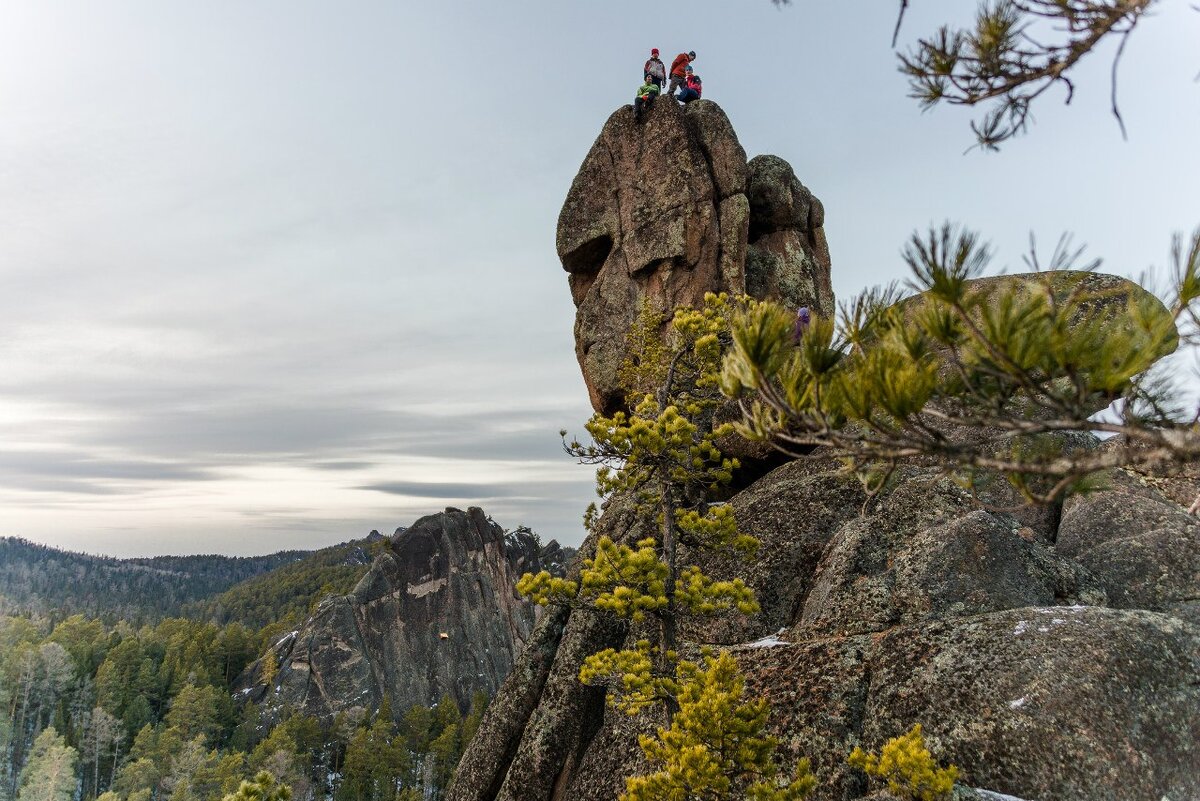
[912, 606]
[1049, 655]
[1109, 300]
[1141, 545]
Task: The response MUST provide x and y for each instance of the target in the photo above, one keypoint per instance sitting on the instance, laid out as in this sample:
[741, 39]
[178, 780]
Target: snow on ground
[769, 641]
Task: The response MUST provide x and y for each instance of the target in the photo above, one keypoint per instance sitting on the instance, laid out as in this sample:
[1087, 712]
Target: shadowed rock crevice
[589, 257]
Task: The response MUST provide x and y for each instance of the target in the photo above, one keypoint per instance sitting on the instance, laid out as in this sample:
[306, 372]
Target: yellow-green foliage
[543, 588]
[629, 582]
[701, 595]
[1022, 358]
[909, 769]
[631, 676]
[715, 748]
[663, 456]
[262, 788]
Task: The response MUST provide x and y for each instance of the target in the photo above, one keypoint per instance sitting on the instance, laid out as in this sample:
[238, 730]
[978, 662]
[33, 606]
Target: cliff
[436, 613]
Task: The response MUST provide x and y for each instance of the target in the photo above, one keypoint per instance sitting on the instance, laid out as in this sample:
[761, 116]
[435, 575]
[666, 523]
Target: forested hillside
[89, 709]
[284, 597]
[40, 580]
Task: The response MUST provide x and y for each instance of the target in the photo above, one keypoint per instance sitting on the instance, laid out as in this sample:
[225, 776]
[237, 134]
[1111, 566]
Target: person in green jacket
[645, 96]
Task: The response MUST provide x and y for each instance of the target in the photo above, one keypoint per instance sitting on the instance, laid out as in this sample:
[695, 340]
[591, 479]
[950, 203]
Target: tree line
[90, 710]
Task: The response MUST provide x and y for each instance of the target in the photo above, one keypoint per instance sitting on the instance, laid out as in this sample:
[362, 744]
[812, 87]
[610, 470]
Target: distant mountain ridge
[285, 596]
[40, 579]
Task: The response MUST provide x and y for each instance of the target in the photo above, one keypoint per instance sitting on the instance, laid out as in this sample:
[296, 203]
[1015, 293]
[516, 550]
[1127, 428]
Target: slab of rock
[1141, 545]
[1048, 703]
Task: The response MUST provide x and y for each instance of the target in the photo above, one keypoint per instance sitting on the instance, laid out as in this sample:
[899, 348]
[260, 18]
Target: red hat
[654, 51]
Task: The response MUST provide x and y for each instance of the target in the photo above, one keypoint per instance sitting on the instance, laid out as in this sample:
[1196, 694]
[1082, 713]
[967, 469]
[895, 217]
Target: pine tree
[263, 787]
[663, 458]
[1010, 370]
[909, 769]
[1011, 54]
[49, 772]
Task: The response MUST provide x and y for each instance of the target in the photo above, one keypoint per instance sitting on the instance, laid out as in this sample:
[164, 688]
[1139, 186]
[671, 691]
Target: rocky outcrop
[915, 606]
[660, 213]
[437, 613]
[1051, 655]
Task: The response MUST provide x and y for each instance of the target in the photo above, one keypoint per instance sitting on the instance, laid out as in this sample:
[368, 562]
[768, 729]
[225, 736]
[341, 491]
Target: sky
[274, 274]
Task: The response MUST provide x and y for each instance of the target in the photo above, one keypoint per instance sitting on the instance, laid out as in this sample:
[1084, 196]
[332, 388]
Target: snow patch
[291, 635]
[1019, 629]
[1018, 703]
[988, 795]
[769, 641]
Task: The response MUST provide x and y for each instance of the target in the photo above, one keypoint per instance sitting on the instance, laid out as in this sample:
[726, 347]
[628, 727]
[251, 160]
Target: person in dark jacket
[655, 70]
[679, 71]
[692, 87]
[645, 96]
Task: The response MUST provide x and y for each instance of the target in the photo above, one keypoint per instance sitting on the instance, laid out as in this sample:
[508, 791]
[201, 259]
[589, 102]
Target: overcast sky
[273, 274]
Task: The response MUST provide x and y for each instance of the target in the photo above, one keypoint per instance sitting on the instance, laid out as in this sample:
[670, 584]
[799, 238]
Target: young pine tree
[49, 772]
[663, 458]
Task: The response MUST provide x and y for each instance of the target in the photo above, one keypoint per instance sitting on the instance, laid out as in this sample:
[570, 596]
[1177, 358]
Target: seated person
[692, 89]
[645, 96]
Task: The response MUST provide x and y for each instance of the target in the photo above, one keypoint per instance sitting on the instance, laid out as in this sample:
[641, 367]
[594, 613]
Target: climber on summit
[655, 70]
[645, 96]
[679, 71]
[692, 88]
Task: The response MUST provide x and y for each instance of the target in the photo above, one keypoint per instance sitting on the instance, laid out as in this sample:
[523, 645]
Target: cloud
[435, 489]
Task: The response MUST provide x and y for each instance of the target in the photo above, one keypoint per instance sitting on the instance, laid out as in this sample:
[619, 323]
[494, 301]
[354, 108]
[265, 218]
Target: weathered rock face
[437, 613]
[787, 256]
[915, 606]
[659, 214]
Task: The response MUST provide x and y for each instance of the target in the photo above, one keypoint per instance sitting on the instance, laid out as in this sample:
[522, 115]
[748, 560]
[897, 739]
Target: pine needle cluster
[715, 748]
[263, 787]
[1012, 53]
[987, 380]
[909, 769]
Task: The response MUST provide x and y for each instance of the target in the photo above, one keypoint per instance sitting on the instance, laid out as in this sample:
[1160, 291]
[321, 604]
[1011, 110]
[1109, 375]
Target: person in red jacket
[679, 71]
[692, 90]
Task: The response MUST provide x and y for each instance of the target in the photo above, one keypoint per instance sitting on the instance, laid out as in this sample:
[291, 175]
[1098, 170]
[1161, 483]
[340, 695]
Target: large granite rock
[659, 215]
[437, 613]
[913, 606]
[1139, 542]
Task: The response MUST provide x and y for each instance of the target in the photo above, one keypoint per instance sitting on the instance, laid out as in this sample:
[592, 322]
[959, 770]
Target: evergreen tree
[49, 773]
[262, 787]
[1018, 367]
[194, 713]
[1011, 54]
[663, 458]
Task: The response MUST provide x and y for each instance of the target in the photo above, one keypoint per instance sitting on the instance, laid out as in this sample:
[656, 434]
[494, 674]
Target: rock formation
[437, 613]
[1050, 654]
[664, 211]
